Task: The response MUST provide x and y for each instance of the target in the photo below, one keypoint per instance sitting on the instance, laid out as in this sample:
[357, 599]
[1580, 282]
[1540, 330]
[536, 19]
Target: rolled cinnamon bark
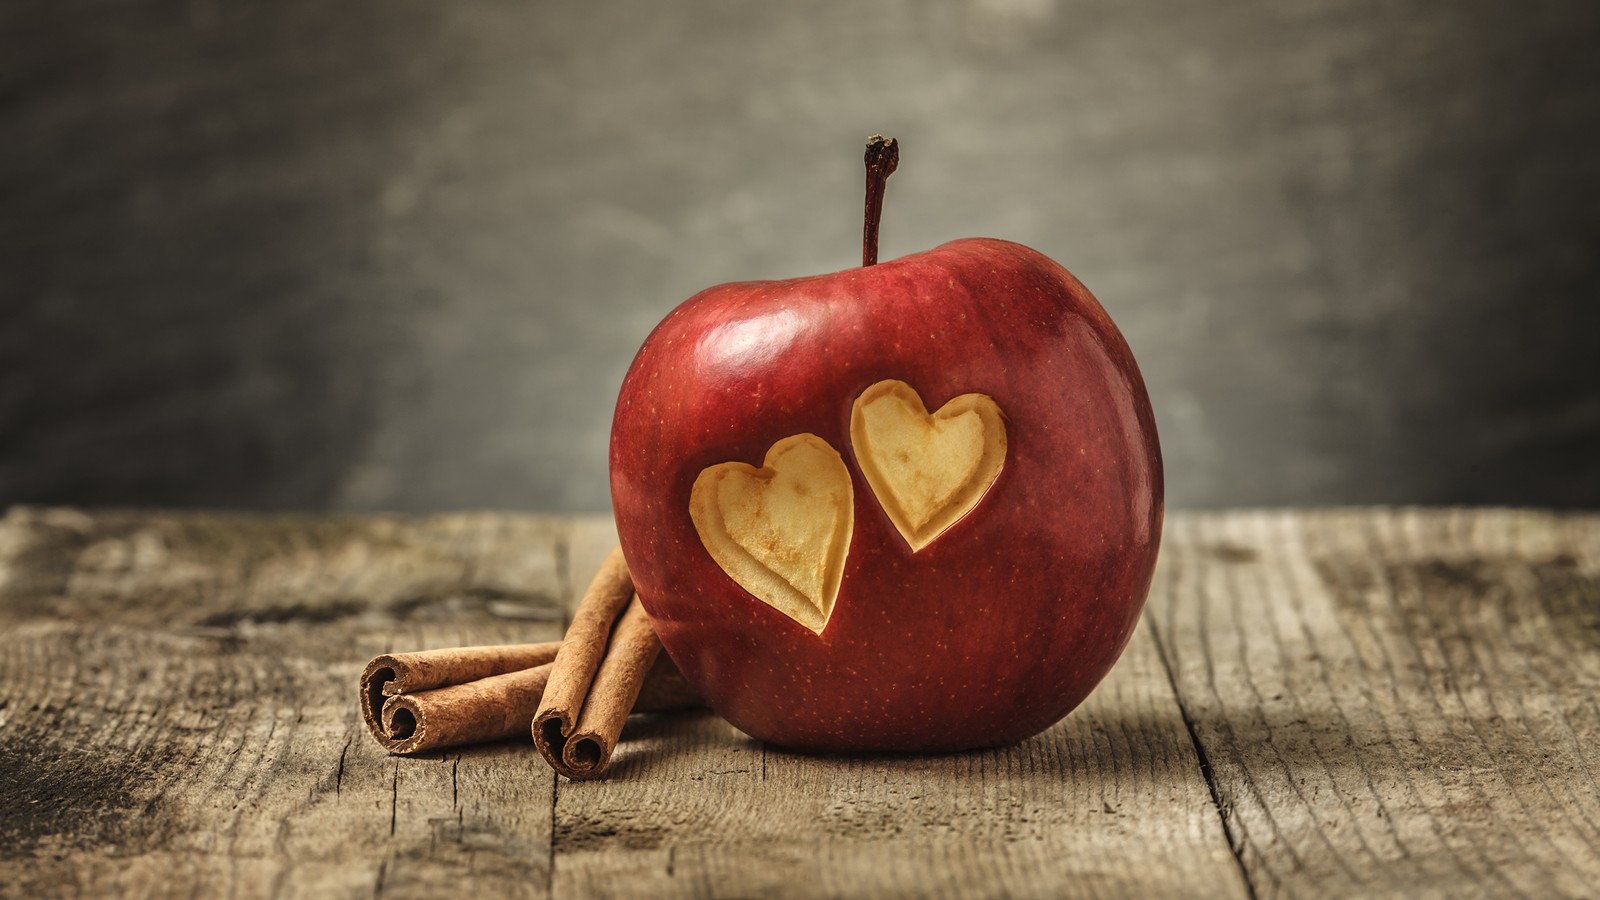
[500, 706]
[488, 709]
[577, 740]
[409, 673]
[577, 693]
[581, 653]
[585, 644]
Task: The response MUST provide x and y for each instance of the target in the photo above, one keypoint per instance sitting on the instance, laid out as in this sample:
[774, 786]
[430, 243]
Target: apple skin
[995, 630]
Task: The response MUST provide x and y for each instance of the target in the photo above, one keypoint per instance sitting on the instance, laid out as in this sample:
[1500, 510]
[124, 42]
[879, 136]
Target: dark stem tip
[883, 157]
[884, 153]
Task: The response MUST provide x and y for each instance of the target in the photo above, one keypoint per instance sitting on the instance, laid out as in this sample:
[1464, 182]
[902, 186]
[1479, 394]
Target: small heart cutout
[927, 471]
[782, 531]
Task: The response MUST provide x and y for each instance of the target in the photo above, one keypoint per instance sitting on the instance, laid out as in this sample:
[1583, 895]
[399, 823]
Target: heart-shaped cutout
[926, 470]
[782, 531]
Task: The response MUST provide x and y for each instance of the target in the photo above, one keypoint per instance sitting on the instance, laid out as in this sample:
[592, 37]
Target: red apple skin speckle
[995, 630]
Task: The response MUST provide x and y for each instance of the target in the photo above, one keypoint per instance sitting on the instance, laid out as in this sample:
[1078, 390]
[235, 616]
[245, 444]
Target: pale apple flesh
[781, 531]
[927, 471]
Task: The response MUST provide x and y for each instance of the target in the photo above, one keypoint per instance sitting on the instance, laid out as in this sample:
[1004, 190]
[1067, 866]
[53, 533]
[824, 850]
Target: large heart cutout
[782, 531]
[927, 471]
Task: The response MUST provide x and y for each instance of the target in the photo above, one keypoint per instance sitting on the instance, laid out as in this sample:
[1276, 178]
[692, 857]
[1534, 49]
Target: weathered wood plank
[177, 710]
[1394, 703]
[1109, 803]
[1399, 703]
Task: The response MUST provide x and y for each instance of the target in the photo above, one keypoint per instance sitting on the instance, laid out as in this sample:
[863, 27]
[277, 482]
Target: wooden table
[1343, 703]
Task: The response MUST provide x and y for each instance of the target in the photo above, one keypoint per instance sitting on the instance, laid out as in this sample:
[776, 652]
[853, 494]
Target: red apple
[836, 569]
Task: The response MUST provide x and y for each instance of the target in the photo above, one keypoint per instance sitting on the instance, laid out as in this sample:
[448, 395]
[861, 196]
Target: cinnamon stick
[577, 738]
[577, 693]
[409, 673]
[488, 709]
[496, 707]
[581, 653]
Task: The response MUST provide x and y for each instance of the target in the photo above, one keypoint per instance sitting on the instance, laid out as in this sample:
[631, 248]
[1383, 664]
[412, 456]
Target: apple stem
[883, 155]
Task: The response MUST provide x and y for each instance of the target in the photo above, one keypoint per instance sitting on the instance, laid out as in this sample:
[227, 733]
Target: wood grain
[1108, 804]
[1336, 703]
[1394, 704]
[177, 699]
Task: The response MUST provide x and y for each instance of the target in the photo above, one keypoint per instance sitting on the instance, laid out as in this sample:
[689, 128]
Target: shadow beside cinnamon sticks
[573, 695]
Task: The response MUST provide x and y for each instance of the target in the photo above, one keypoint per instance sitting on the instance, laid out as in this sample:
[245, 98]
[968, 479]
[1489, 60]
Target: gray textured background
[399, 254]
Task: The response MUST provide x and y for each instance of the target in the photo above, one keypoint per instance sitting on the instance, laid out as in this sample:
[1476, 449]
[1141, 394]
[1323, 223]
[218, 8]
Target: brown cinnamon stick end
[379, 674]
[587, 757]
[550, 730]
[405, 729]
